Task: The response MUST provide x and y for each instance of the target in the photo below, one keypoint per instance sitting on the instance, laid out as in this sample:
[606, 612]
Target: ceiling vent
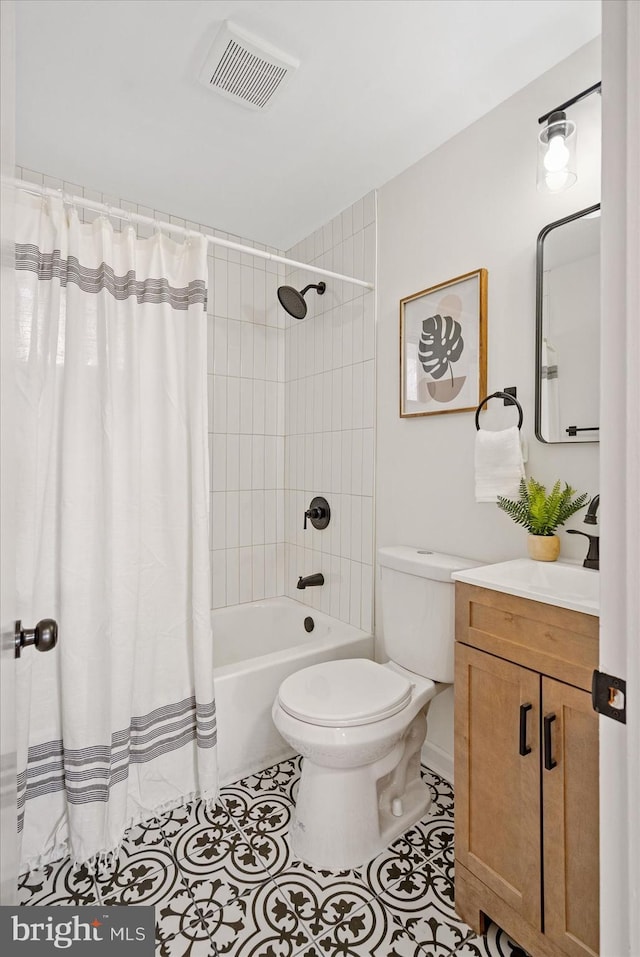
[245, 68]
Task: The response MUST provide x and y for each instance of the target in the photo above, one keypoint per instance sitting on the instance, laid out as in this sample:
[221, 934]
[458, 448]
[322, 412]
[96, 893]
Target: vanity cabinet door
[498, 778]
[570, 819]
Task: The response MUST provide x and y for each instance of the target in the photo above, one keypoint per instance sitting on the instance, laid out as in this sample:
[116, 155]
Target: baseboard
[441, 762]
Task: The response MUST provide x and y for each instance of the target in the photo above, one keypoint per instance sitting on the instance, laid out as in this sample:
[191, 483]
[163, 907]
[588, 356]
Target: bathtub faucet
[309, 580]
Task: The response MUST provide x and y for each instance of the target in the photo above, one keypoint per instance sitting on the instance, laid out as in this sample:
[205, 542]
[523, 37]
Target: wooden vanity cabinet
[526, 772]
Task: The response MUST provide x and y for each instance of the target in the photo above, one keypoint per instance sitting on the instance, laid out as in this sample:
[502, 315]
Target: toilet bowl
[360, 725]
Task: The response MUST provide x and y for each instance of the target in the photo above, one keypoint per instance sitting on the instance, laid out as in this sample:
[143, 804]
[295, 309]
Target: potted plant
[542, 514]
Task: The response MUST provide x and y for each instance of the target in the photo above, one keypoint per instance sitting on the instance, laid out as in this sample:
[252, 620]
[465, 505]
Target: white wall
[473, 203]
[246, 409]
[330, 413]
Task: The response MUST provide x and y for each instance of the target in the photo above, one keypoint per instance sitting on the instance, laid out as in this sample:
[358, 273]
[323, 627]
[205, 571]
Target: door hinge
[609, 696]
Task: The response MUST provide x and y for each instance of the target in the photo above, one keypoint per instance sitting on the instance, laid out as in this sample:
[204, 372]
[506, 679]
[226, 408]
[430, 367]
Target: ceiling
[108, 96]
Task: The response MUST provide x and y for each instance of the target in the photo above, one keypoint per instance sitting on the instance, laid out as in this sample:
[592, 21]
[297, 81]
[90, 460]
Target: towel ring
[500, 395]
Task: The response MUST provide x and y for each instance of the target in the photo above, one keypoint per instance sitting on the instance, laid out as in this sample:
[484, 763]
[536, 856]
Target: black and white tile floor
[224, 882]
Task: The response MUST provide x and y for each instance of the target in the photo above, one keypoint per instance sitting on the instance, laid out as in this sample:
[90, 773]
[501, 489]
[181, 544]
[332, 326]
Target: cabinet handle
[524, 748]
[549, 763]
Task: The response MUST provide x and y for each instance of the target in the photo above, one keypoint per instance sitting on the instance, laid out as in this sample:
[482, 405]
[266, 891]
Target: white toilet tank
[417, 596]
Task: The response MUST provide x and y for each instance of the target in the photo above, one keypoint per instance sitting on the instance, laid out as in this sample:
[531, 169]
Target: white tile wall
[329, 419]
[246, 378]
[246, 381]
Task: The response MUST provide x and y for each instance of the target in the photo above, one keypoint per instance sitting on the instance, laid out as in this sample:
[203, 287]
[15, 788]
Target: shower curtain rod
[117, 213]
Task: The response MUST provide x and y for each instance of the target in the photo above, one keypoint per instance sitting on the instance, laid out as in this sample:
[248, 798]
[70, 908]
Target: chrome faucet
[593, 555]
[317, 579]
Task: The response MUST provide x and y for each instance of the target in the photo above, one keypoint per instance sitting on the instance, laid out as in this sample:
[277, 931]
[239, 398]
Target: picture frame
[443, 347]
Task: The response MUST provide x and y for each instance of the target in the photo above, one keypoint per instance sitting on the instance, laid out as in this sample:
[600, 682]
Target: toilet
[360, 725]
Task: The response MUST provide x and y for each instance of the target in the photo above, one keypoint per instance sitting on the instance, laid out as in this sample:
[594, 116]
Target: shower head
[293, 301]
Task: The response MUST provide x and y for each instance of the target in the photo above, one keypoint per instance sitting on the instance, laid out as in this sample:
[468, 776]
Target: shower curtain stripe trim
[49, 266]
[196, 724]
[97, 792]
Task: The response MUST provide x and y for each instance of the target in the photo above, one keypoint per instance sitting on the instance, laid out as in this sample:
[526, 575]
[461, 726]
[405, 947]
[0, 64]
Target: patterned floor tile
[149, 834]
[180, 931]
[149, 877]
[371, 931]
[210, 850]
[495, 944]
[263, 820]
[424, 903]
[444, 861]
[186, 945]
[260, 924]
[431, 835]
[395, 863]
[322, 899]
[224, 881]
[283, 777]
[142, 851]
[441, 791]
[58, 883]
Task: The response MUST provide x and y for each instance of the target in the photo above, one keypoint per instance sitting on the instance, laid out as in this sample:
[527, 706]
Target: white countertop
[564, 584]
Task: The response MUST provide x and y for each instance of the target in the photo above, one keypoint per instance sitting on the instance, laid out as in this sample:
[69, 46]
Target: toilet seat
[347, 693]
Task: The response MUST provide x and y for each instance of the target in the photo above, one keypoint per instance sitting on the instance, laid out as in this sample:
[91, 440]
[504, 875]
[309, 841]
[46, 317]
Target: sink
[554, 583]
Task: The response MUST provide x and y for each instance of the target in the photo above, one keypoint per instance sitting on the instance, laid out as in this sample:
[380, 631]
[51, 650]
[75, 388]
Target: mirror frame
[539, 299]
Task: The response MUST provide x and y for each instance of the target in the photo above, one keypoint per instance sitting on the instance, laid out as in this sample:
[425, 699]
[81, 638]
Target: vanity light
[557, 154]
[557, 146]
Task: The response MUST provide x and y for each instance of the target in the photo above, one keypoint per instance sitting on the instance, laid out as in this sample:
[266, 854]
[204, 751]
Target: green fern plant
[539, 512]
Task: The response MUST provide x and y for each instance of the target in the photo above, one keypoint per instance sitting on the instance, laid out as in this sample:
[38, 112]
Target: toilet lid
[344, 693]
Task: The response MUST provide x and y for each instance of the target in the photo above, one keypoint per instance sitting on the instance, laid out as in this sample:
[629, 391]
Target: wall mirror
[568, 329]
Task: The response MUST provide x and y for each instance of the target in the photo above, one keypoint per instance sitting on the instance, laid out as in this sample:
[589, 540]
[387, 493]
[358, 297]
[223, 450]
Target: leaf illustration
[441, 344]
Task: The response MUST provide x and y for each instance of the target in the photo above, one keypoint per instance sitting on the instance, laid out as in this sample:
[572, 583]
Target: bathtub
[256, 646]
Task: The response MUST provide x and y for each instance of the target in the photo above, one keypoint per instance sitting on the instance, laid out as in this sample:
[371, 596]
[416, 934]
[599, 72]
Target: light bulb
[557, 155]
[557, 180]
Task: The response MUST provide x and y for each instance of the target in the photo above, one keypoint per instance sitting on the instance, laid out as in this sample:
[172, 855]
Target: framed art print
[443, 347]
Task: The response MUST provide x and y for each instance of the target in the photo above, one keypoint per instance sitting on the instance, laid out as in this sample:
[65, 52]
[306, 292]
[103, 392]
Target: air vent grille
[246, 76]
[246, 69]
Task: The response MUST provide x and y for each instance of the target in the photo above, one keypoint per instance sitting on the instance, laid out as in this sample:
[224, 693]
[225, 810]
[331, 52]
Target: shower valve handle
[44, 636]
[318, 513]
[313, 514]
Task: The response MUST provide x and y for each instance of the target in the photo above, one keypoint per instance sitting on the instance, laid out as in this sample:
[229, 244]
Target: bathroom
[298, 409]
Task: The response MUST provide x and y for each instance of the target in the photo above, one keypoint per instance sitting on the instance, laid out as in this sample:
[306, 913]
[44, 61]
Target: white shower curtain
[118, 722]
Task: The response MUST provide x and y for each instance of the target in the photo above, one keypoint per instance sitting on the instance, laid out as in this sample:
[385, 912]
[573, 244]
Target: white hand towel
[499, 464]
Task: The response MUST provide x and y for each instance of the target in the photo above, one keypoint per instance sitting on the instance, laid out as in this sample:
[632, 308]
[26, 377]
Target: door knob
[44, 636]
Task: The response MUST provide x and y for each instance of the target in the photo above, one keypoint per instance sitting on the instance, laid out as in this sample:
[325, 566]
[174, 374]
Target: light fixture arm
[596, 88]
